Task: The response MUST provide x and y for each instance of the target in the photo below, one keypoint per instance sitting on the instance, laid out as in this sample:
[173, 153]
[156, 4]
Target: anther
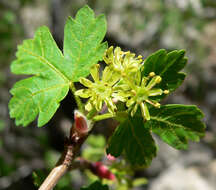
[157, 105]
[152, 74]
[158, 79]
[123, 74]
[133, 92]
[166, 91]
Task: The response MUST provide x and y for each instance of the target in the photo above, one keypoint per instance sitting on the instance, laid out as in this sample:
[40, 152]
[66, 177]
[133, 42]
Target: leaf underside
[52, 71]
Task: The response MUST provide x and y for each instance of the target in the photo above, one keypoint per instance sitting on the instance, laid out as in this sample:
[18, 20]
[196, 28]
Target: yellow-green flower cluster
[121, 79]
[100, 91]
[124, 63]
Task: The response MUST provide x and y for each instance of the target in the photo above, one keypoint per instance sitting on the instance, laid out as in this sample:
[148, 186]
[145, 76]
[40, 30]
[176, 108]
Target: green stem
[91, 114]
[103, 116]
[109, 115]
[78, 101]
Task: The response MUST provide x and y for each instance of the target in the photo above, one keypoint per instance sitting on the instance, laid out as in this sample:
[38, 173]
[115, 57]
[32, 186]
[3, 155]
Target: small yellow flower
[141, 94]
[125, 63]
[99, 91]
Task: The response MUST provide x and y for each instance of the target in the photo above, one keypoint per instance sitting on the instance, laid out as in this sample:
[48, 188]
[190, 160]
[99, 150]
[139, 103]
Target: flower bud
[99, 169]
[81, 124]
[111, 158]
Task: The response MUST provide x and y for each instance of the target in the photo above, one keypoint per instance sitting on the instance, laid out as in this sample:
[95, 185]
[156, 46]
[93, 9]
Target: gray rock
[179, 178]
[196, 155]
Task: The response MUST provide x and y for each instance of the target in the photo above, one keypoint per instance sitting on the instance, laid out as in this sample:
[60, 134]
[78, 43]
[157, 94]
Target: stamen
[133, 92]
[158, 79]
[166, 91]
[151, 74]
[155, 104]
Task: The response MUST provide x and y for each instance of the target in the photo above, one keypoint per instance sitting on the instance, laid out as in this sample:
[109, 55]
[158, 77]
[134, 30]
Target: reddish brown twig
[78, 134]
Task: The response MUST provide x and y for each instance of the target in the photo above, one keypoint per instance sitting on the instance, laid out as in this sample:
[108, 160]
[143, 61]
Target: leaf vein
[48, 63]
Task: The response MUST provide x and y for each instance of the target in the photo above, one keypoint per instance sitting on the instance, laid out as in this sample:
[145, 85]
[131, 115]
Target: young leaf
[41, 93]
[132, 137]
[176, 124]
[168, 66]
[52, 71]
[82, 42]
[96, 186]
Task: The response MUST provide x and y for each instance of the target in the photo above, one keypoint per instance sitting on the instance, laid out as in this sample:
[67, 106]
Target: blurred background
[141, 26]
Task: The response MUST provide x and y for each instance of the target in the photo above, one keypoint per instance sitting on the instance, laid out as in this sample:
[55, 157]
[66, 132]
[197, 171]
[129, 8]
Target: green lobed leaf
[132, 138]
[168, 66]
[96, 186]
[41, 93]
[176, 124]
[52, 71]
[82, 42]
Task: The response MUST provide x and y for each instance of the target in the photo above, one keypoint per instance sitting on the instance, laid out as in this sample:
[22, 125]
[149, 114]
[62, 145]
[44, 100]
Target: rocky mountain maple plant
[128, 89]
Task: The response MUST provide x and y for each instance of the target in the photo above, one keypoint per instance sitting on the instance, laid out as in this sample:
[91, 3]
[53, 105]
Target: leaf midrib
[137, 139]
[51, 66]
[171, 124]
[43, 90]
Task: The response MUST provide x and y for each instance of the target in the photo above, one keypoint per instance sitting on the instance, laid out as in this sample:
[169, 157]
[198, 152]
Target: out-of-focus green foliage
[96, 185]
[95, 148]
[9, 33]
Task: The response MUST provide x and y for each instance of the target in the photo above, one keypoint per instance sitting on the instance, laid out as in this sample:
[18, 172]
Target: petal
[114, 79]
[117, 54]
[138, 77]
[108, 58]
[88, 106]
[155, 92]
[95, 72]
[145, 111]
[121, 96]
[121, 87]
[83, 93]
[124, 94]
[130, 102]
[107, 73]
[134, 110]
[110, 76]
[110, 105]
[144, 81]
[118, 97]
[98, 104]
[86, 82]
